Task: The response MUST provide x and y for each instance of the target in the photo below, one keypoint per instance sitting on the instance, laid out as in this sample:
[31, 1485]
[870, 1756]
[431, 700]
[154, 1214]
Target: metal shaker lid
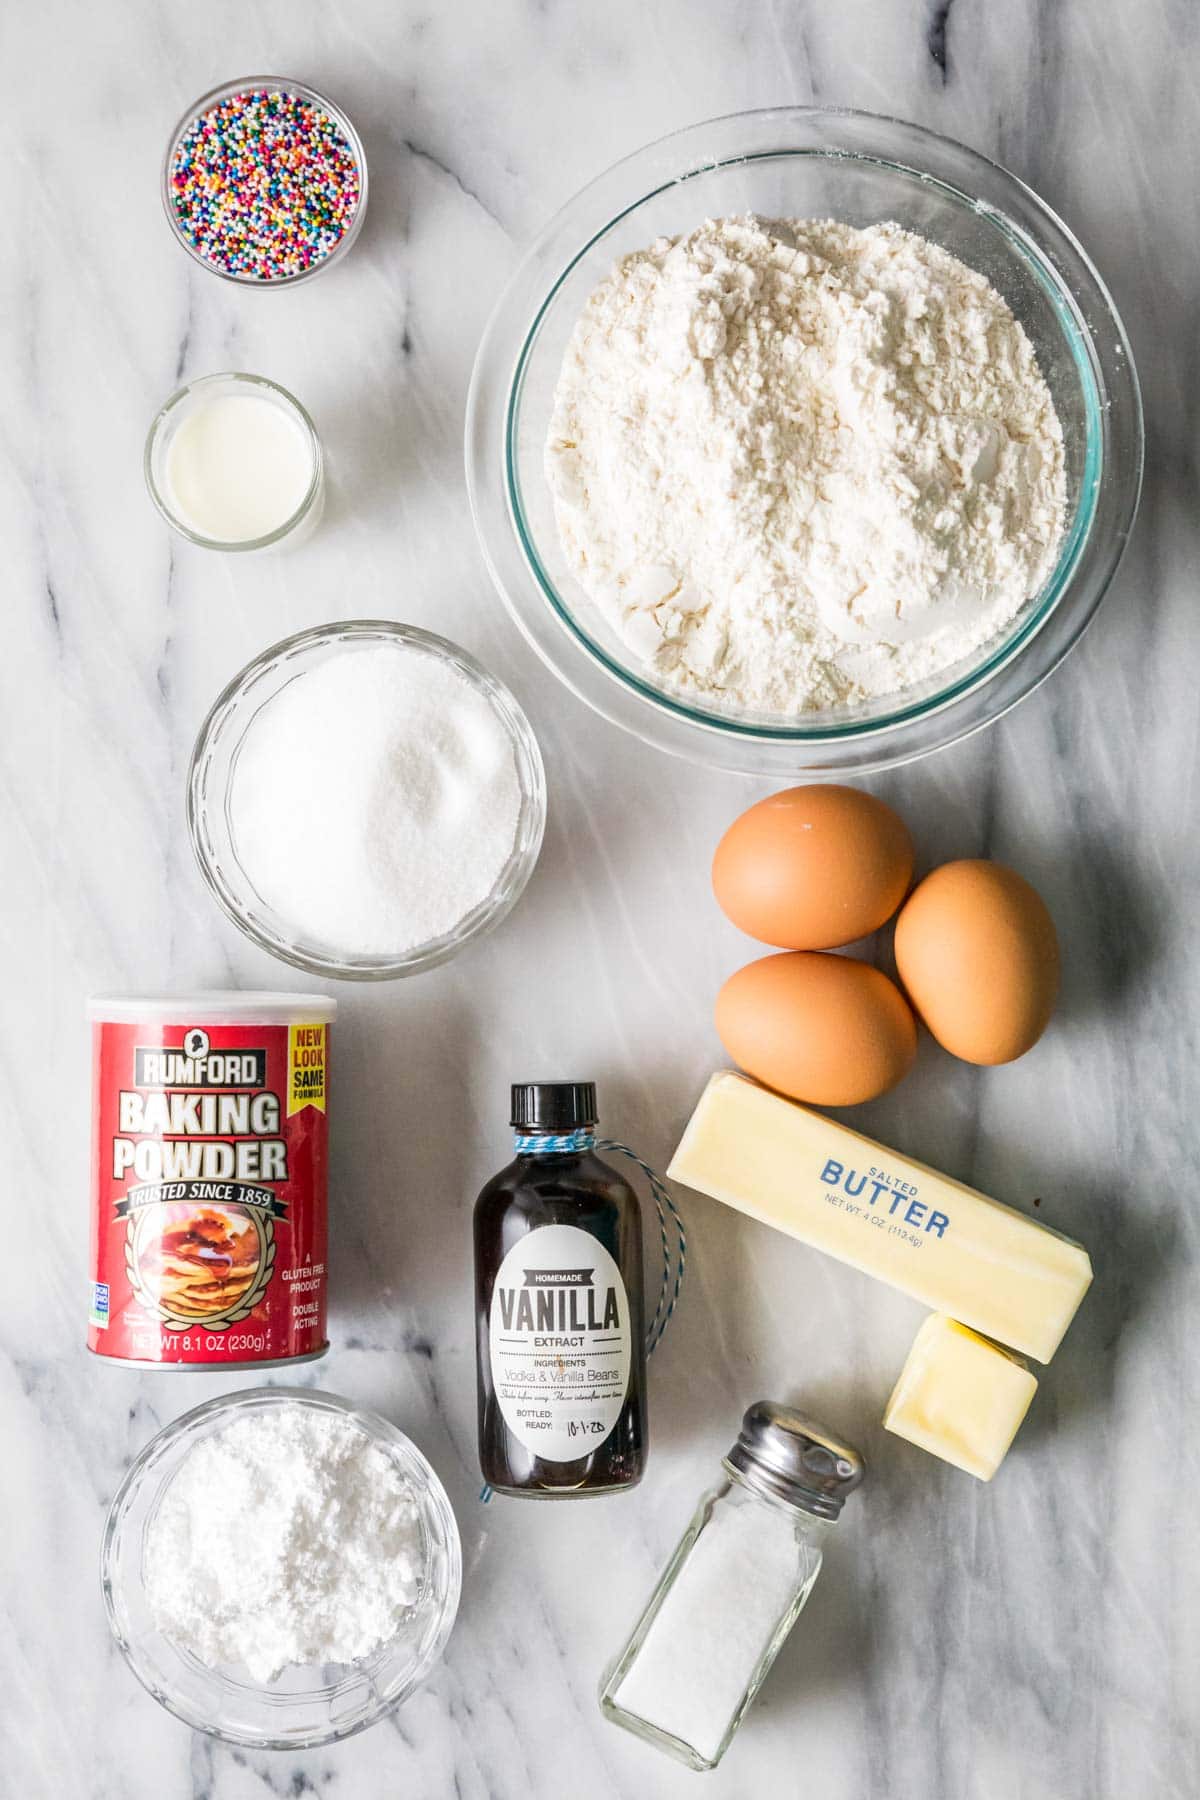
[784, 1453]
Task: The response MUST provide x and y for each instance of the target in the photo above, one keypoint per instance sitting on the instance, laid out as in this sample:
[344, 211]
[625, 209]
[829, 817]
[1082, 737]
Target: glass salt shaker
[734, 1587]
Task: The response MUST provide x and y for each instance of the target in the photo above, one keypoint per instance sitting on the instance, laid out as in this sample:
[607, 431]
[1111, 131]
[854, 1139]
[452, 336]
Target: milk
[237, 467]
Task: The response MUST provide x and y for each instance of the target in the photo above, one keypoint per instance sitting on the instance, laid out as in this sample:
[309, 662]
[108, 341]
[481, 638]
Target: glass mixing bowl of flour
[805, 164]
[303, 1706]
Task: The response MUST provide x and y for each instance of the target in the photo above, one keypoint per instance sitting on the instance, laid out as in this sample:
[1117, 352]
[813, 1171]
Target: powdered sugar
[286, 1537]
[376, 800]
[799, 464]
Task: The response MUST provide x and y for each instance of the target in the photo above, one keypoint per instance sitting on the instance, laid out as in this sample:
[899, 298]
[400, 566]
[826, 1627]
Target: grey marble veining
[1038, 1640]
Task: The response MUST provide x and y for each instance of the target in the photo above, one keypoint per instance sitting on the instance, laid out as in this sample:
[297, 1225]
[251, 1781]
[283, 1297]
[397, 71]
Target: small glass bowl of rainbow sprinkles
[265, 182]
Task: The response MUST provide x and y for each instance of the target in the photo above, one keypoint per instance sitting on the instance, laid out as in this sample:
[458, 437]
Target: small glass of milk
[233, 462]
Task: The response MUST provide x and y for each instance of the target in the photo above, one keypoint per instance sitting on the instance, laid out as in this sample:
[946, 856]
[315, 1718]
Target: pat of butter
[960, 1397]
[946, 1245]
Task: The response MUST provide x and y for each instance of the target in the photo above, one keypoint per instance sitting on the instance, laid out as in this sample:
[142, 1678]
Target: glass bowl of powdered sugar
[365, 799]
[280, 1569]
[804, 441]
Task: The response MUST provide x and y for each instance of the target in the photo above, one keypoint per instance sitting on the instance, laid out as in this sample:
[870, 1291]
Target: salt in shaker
[734, 1587]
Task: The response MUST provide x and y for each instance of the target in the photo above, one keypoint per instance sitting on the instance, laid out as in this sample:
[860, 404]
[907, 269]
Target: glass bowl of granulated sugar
[280, 1569]
[365, 800]
[804, 442]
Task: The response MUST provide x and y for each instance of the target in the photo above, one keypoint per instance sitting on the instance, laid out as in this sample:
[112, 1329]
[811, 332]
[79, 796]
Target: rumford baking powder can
[209, 1178]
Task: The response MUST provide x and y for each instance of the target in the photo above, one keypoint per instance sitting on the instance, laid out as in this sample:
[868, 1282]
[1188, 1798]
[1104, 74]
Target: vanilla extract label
[560, 1345]
[565, 1301]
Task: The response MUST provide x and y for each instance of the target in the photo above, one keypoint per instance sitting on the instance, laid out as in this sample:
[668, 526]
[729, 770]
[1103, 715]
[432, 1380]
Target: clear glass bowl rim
[513, 878]
[187, 1426]
[286, 85]
[1022, 661]
[162, 421]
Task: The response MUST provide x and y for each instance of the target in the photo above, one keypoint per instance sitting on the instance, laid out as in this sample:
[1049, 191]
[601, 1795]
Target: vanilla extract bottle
[560, 1341]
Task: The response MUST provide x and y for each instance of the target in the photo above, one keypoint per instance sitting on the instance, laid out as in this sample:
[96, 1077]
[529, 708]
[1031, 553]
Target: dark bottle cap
[553, 1106]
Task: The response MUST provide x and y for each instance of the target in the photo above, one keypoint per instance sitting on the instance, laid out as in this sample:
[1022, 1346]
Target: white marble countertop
[1036, 1640]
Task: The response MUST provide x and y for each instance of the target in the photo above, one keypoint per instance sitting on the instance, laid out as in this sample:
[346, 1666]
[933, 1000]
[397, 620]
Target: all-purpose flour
[799, 464]
[287, 1537]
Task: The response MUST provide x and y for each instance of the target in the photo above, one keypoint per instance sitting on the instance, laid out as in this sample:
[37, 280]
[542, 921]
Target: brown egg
[978, 955]
[820, 1028]
[813, 868]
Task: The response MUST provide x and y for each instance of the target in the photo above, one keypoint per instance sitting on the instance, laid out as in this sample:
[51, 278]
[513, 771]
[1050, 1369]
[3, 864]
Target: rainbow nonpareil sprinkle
[264, 184]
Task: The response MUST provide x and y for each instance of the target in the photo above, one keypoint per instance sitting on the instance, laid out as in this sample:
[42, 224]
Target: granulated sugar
[375, 800]
[287, 1537]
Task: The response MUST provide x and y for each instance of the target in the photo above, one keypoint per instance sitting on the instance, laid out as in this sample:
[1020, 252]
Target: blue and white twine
[541, 1143]
[674, 1262]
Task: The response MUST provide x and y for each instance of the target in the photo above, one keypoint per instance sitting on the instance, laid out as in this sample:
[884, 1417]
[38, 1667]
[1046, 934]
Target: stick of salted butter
[960, 1397]
[949, 1247]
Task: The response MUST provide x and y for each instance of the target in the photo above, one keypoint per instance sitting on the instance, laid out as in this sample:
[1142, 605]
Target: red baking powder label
[210, 1159]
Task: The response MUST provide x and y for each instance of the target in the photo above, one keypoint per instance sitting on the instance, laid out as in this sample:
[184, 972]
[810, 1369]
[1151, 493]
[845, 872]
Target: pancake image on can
[200, 1265]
